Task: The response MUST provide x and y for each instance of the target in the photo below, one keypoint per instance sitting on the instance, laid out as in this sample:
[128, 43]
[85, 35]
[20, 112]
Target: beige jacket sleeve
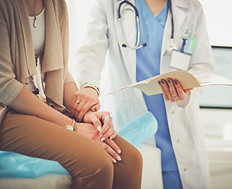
[9, 86]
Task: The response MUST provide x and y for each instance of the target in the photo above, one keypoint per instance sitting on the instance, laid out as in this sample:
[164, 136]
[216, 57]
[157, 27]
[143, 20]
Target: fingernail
[114, 161]
[176, 82]
[119, 151]
[102, 139]
[162, 82]
[95, 109]
[118, 158]
[107, 118]
[99, 128]
[77, 120]
[169, 81]
[100, 136]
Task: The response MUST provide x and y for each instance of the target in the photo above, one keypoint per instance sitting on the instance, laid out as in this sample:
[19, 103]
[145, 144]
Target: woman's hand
[84, 100]
[90, 131]
[173, 90]
[103, 123]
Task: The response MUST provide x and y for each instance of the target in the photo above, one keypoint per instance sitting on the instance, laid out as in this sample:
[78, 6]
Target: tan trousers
[86, 161]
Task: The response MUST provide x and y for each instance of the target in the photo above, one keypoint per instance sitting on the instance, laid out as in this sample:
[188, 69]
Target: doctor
[141, 39]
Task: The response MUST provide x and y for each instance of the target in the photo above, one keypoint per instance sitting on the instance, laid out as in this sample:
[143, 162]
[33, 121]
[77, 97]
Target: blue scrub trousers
[171, 180]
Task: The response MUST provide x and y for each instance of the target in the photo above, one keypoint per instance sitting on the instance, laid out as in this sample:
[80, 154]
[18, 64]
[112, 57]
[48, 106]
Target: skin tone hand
[90, 131]
[95, 121]
[84, 100]
[173, 90]
[103, 123]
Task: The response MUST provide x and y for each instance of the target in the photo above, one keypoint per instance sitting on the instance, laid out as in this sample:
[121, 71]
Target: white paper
[206, 79]
[188, 81]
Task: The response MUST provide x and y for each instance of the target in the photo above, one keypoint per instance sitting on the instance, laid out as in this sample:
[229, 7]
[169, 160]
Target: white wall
[218, 14]
[78, 15]
[218, 131]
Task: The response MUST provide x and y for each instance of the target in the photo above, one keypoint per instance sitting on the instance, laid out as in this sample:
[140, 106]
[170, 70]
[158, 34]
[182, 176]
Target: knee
[130, 155]
[104, 166]
[136, 159]
[94, 171]
[98, 164]
[129, 171]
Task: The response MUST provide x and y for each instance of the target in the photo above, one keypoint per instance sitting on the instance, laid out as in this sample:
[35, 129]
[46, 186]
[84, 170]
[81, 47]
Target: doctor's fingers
[166, 90]
[82, 109]
[96, 107]
[173, 90]
[112, 149]
[74, 104]
[181, 92]
[164, 93]
[83, 101]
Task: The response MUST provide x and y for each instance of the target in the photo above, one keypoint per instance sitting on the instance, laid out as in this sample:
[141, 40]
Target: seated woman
[33, 59]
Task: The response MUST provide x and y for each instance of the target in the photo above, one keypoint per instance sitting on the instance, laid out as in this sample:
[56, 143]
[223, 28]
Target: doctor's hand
[90, 131]
[173, 90]
[84, 100]
[103, 123]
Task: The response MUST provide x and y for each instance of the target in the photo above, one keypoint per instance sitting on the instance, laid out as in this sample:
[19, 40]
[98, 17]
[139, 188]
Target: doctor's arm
[90, 60]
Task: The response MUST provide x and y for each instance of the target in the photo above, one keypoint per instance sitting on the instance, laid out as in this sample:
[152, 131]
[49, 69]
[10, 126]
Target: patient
[36, 93]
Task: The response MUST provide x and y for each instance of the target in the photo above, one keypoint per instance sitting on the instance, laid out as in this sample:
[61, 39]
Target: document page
[206, 79]
[188, 81]
[151, 86]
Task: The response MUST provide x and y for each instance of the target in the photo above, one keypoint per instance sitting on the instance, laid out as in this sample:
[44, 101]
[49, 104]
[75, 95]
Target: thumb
[97, 123]
[95, 108]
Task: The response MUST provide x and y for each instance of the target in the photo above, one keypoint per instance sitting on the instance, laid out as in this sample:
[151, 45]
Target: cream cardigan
[17, 61]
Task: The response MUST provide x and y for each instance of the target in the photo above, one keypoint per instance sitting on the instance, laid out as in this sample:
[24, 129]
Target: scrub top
[148, 65]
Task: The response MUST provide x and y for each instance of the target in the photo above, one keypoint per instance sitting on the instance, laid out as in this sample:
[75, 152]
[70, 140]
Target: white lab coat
[104, 37]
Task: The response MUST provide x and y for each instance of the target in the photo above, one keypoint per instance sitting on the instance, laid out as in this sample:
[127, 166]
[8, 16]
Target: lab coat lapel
[179, 16]
[127, 24]
[167, 35]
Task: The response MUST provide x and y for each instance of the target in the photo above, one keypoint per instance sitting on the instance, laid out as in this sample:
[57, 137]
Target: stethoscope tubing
[137, 46]
[129, 3]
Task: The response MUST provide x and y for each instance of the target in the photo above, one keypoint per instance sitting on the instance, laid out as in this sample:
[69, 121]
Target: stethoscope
[137, 46]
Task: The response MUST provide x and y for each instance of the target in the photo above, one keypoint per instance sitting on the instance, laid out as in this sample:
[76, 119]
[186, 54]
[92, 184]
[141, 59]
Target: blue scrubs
[148, 65]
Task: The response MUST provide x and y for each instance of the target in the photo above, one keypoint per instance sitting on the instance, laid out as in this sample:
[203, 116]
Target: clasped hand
[98, 126]
[84, 100]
